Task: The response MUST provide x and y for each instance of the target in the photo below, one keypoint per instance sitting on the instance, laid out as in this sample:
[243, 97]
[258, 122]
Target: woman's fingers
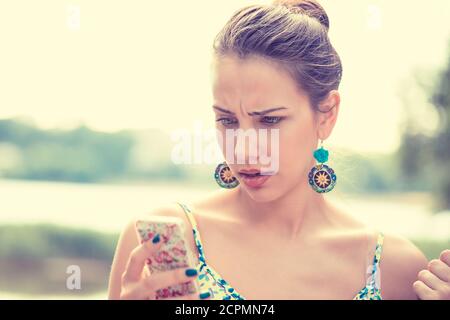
[139, 283]
[445, 257]
[164, 279]
[205, 295]
[424, 292]
[136, 291]
[444, 272]
[147, 287]
[434, 283]
[194, 296]
[431, 280]
[138, 257]
[185, 297]
[440, 270]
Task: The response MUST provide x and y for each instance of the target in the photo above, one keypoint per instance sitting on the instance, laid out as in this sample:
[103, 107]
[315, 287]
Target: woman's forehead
[254, 79]
[251, 72]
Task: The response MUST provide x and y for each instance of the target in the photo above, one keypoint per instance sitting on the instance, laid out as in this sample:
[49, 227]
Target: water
[100, 207]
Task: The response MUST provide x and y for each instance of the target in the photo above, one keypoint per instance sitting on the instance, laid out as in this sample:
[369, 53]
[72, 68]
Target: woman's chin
[265, 193]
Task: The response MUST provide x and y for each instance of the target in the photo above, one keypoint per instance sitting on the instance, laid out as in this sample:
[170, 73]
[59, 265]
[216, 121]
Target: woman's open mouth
[253, 178]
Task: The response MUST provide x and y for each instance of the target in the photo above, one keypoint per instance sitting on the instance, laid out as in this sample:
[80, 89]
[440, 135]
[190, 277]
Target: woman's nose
[246, 146]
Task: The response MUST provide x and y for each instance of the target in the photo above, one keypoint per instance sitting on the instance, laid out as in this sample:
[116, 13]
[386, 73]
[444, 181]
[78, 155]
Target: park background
[92, 91]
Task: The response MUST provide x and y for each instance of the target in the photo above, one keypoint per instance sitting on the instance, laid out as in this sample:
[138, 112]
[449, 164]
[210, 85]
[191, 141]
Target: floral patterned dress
[212, 282]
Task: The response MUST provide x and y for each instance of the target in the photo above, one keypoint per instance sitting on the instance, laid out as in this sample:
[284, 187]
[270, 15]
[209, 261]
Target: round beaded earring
[321, 177]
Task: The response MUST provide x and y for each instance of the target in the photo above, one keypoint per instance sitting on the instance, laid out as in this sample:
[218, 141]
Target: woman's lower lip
[255, 182]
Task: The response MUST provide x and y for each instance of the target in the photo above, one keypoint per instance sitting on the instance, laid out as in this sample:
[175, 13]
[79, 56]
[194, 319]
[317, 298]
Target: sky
[142, 64]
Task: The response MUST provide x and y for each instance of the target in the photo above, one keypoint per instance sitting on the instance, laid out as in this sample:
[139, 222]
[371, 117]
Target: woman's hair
[291, 33]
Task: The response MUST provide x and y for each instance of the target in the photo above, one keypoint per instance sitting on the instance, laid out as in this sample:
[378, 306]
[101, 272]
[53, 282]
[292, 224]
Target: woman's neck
[298, 211]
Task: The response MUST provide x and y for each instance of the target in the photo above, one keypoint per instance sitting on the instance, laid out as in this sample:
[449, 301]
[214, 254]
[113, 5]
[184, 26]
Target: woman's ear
[327, 114]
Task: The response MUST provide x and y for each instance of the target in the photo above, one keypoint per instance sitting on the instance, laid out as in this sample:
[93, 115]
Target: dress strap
[374, 269]
[378, 249]
[197, 238]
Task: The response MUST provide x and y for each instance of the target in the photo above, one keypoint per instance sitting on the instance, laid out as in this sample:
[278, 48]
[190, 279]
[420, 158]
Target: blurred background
[91, 93]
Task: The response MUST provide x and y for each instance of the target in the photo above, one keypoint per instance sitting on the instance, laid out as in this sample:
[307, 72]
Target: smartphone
[174, 252]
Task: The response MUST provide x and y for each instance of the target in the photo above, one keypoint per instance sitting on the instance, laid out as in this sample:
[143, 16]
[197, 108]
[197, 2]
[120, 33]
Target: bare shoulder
[400, 260]
[400, 264]
[214, 203]
[170, 209]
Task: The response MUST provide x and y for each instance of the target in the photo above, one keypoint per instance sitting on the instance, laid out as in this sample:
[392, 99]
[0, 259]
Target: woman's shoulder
[400, 260]
[400, 263]
[180, 208]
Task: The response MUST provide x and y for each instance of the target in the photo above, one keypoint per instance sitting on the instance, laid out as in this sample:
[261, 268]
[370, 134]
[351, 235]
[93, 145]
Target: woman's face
[243, 90]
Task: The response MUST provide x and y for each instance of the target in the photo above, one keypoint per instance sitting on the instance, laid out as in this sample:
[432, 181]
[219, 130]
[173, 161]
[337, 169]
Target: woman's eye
[227, 121]
[271, 120]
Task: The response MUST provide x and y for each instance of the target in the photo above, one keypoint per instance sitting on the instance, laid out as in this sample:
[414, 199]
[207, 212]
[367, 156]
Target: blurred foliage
[48, 241]
[425, 156]
[79, 155]
[34, 258]
[83, 155]
[362, 173]
[431, 248]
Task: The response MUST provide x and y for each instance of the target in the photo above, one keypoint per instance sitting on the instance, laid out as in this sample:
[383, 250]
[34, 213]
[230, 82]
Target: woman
[271, 233]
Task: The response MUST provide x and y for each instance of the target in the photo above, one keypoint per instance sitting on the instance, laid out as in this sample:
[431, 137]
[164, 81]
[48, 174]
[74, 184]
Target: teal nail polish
[191, 272]
[156, 238]
[204, 295]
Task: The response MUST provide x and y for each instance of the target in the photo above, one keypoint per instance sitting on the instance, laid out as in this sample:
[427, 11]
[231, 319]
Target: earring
[224, 177]
[322, 178]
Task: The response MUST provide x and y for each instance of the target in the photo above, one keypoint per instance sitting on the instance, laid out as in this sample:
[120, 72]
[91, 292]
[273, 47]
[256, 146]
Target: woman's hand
[434, 283]
[139, 284]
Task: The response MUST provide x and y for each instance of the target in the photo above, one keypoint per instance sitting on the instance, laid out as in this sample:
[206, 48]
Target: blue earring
[224, 177]
[322, 178]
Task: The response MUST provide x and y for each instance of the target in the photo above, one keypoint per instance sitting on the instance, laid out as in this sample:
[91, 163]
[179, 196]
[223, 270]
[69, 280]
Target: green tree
[425, 156]
[440, 99]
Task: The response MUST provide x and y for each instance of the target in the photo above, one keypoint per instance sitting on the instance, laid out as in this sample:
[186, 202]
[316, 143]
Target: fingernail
[204, 295]
[191, 272]
[156, 238]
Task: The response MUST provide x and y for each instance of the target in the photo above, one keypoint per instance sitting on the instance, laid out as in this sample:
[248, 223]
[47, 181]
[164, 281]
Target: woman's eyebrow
[254, 113]
[222, 110]
[263, 112]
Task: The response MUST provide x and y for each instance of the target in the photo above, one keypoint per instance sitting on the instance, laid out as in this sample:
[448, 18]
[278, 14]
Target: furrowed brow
[254, 113]
[222, 110]
[263, 112]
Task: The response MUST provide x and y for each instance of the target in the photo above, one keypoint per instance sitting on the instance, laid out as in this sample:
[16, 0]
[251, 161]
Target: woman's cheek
[227, 144]
[294, 154]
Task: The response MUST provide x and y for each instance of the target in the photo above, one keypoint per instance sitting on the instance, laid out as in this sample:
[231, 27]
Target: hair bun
[309, 7]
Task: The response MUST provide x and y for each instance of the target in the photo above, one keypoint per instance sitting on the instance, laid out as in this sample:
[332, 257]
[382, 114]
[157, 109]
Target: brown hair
[291, 33]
